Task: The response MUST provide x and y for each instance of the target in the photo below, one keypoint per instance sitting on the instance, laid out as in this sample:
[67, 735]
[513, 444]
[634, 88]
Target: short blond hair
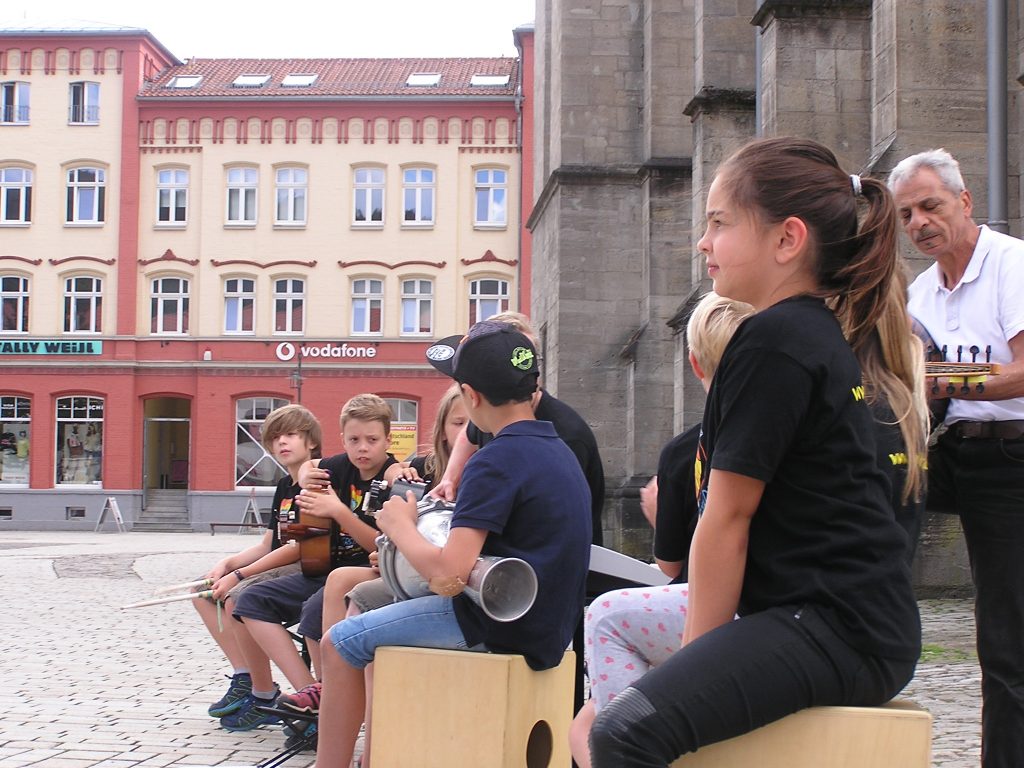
[517, 320]
[367, 407]
[291, 418]
[711, 325]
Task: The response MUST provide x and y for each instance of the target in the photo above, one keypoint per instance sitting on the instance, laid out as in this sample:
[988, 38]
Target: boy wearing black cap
[523, 495]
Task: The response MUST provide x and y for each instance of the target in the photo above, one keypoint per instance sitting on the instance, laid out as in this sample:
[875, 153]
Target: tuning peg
[974, 350]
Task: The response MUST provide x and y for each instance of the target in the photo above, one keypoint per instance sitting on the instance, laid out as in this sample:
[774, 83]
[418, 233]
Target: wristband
[238, 575]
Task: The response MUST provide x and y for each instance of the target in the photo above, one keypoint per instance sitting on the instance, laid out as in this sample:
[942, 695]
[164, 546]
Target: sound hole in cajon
[539, 746]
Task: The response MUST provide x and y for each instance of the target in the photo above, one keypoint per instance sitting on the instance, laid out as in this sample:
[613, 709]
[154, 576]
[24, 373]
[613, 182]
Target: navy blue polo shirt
[527, 490]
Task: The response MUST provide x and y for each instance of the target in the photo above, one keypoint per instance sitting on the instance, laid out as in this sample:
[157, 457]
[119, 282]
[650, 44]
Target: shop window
[14, 299]
[403, 427]
[254, 466]
[487, 297]
[15, 437]
[367, 305]
[83, 305]
[289, 305]
[79, 449]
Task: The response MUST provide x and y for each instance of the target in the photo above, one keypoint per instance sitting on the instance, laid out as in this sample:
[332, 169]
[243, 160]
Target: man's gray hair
[940, 161]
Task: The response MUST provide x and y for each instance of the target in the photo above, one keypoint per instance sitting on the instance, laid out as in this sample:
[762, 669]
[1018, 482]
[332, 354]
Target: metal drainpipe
[758, 131]
[997, 124]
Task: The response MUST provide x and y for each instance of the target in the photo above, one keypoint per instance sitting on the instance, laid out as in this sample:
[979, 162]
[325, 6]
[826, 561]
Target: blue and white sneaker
[247, 717]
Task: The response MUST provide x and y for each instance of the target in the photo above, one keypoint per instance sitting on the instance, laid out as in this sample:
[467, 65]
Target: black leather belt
[987, 430]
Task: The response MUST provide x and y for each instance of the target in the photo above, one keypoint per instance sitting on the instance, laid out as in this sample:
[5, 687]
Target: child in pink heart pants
[629, 631]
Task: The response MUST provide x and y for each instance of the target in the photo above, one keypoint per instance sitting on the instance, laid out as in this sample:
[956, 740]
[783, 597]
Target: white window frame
[242, 192]
[239, 296]
[417, 299]
[16, 413]
[487, 184]
[419, 192]
[288, 299]
[22, 189]
[172, 197]
[367, 299]
[84, 103]
[14, 102]
[162, 294]
[80, 209]
[368, 182]
[483, 305]
[91, 296]
[14, 292]
[291, 196]
[86, 467]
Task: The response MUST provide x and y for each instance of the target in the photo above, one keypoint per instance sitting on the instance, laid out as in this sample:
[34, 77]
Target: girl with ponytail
[797, 535]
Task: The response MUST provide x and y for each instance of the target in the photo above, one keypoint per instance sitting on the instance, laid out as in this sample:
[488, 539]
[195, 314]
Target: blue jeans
[983, 481]
[425, 622]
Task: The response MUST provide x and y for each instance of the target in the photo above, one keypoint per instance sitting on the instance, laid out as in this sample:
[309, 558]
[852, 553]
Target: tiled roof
[336, 78]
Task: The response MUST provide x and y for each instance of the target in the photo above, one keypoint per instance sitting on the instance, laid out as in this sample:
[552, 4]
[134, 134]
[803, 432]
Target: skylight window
[299, 81]
[185, 81]
[250, 81]
[492, 81]
[424, 79]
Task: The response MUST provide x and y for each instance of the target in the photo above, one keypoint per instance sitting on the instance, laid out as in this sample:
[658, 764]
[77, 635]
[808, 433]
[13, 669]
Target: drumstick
[171, 599]
[186, 585]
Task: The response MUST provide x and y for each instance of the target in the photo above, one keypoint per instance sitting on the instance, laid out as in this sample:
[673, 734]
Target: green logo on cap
[522, 358]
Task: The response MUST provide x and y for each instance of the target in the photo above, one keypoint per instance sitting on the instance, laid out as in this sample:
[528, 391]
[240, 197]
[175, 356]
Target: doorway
[166, 444]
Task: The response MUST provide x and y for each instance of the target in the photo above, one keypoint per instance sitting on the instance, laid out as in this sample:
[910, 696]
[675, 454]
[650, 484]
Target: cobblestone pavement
[86, 684]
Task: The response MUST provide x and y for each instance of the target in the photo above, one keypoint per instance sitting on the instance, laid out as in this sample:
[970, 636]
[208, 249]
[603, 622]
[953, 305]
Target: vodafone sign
[286, 350]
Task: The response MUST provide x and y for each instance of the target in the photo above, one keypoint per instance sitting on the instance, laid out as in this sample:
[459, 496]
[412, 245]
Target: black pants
[983, 480]
[734, 679]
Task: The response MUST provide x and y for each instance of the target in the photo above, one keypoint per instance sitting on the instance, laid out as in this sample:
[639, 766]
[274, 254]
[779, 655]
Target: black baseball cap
[494, 358]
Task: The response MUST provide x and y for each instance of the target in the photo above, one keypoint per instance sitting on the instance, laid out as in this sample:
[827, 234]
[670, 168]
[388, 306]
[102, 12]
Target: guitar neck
[961, 369]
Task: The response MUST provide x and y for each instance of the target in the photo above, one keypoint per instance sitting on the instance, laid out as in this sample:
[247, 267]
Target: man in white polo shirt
[973, 296]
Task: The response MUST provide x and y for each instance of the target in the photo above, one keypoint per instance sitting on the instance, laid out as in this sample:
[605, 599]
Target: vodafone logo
[287, 351]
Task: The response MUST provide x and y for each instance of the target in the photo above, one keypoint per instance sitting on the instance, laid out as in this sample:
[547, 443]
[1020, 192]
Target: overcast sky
[337, 28]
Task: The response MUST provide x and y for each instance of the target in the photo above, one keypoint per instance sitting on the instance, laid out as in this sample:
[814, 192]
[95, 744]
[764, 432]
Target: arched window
[86, 196]
[239, 305]
[368, 197]
[169, 306]
[79, 449]
[487, 297]
[172, 196]
[14, 299]
[15, 436]
[242, 186]
[15, 195]
[367, 306]
[417, 307]
[254, 466]
[491, 195]
[289, 305]
[418, 187]
[291, 196]
[83, 304]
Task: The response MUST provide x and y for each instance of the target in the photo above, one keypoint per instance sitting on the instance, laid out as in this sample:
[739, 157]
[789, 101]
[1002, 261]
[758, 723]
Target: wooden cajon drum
[461, 709]
[897, 735]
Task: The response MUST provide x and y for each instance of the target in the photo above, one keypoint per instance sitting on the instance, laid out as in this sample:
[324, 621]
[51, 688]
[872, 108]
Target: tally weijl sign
[50, 347]
[287, 351]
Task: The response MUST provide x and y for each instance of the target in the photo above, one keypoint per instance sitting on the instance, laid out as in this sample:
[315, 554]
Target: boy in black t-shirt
[292, 435]
[268, 608]
[523, 495]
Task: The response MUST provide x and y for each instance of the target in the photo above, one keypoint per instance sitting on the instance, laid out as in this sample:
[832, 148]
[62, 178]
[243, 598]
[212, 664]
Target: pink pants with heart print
[629, 631]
